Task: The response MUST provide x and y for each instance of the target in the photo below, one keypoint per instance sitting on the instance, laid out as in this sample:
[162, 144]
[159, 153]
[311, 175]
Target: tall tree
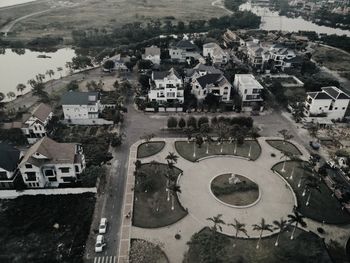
[172, 157]
[174, 189]
[298, 219]
[20, 87]
[281, 226]
[239, 227]
[261, 228]
[11, 95]
[217, 223]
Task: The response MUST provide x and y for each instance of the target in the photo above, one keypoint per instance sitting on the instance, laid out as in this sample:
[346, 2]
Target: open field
[45, 229]
[107, 14]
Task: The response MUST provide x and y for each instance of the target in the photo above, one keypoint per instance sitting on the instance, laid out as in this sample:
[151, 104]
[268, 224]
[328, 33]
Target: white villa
[51, 164]
[214, 83]
[330, 101]
[119, 62]
[152, 53]
[250, 91]
[9, 159]
[184, 50]
[80, 105]
[200, 70]
[166, 86]
[216, 53]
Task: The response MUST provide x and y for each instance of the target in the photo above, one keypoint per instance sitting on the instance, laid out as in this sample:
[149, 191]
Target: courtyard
[175, 220]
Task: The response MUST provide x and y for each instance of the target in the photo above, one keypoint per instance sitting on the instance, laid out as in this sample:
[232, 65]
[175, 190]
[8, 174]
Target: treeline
[233, 5]
[138, 32]
[327, 18]
[36, 43]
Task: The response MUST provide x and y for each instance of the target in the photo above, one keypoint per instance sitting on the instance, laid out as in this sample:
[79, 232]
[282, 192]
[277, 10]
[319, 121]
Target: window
[31, 176]
[77, 170]
[343, 108]
[245, 91]
[68, 179]
[64, 170]
[49, 173]
[3, 175]
[320, 108]
[336, 108]
[28, 166]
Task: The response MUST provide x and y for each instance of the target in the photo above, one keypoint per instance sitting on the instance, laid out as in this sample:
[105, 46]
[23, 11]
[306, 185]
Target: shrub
[182, 123]
[202, 120]
[172, 122]
[214, 121]
[192, 122]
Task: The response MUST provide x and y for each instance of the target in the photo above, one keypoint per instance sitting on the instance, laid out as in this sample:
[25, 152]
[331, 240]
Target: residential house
[250, 91]
[119, 63]
[214, 83]
[217, 55]
[330, 101]
[51, 164]
[184, 50]
[80, 105]
[152, 53]
[282, 56]
[257, 54]
[198, 71]
[166, 86]
[9, 159]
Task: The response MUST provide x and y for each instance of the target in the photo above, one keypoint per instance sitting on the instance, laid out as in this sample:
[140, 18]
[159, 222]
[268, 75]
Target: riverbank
[12, 3]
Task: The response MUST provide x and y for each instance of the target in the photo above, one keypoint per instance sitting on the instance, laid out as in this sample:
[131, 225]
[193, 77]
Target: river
[5, 3]
[273, 21]
[15, 68]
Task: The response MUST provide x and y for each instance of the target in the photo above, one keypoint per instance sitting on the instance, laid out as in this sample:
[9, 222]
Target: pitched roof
[208, 79]
[335, 93]
[42, 112]
[80, 98]
[319, 95]
[54, 151]
[201, 67]
[9, 157]
[163, 74]
[152, 51]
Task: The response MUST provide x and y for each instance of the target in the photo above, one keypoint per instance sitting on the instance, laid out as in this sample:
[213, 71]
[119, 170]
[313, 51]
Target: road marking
[95, 259]
[105, 259]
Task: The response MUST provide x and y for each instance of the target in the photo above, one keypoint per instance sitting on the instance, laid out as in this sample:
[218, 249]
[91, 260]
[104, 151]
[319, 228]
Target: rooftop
[248, 81]
[9, 157]
[152, 51]
[164, 74]
[80, 98]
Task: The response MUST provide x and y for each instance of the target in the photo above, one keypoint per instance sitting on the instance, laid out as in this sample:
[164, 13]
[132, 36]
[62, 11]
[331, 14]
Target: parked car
[100, 244]
[102, 229]
[315, 145]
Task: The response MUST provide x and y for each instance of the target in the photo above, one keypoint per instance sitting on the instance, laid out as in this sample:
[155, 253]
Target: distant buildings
[250, 91]
[166, 86]
[152, 53]
[51, 164]
[80, 105]
[184, 50]
[217, 55]
[9, 159]
[330, 102]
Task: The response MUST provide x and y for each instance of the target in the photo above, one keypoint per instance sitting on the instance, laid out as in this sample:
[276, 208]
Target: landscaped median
[191, 151]
[154, 205]
[148, 149]
[206, 246]
[284, 147]
[314, 198]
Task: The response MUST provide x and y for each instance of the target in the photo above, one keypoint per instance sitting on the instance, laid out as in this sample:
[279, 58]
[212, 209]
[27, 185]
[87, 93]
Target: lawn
[148, 149]
[306, 248]
[241, 193]
[142, 251]
[186, 150]
[284, 147]
[150, 196]
[42, 229]
[322, 207]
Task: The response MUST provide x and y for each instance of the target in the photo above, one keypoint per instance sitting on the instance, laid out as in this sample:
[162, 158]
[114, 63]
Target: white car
[100, 244]
[102, 229]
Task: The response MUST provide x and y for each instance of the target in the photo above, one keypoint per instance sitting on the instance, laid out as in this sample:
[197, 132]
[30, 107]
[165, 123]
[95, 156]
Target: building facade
[249, 90]
[9, 159]
[51, 164]
[217, 55]
[80, 105]
[152, 53]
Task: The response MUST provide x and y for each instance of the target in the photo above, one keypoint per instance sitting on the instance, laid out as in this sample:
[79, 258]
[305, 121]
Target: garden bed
[322, 206]
[219, 248]
[142, 251]
[151, 208]
[45, 228]
[243, 192]
[284, 147]
[186, 150]
[148, 149]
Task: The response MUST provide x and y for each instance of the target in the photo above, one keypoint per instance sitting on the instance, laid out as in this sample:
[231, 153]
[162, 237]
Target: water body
[4, 3]
[273, 21]
[15, 68]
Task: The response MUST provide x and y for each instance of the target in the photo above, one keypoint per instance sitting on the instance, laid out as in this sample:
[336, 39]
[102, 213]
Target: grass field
[107, 14]
[323, 206]
[186, 150]
[148, 149]
[284, 147]
[41, 229]
[151, 208]
[306, 247]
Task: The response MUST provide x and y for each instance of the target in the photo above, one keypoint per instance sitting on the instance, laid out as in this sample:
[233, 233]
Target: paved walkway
[277, 198]
[11, 194]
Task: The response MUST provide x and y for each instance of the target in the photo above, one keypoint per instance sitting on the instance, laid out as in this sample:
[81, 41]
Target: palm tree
[50, 73]
[311, 185]
[172, 157]
[285, 156]
[296, 218]
[281, 226]
[261, 228]
[217, 223]
[11, 95]
[209, 140]
[174, 189]
[223, 133]
[285, 134]
[20, 87]
[59, 69]
[189, 132]
[239, 227]
[40, 78]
